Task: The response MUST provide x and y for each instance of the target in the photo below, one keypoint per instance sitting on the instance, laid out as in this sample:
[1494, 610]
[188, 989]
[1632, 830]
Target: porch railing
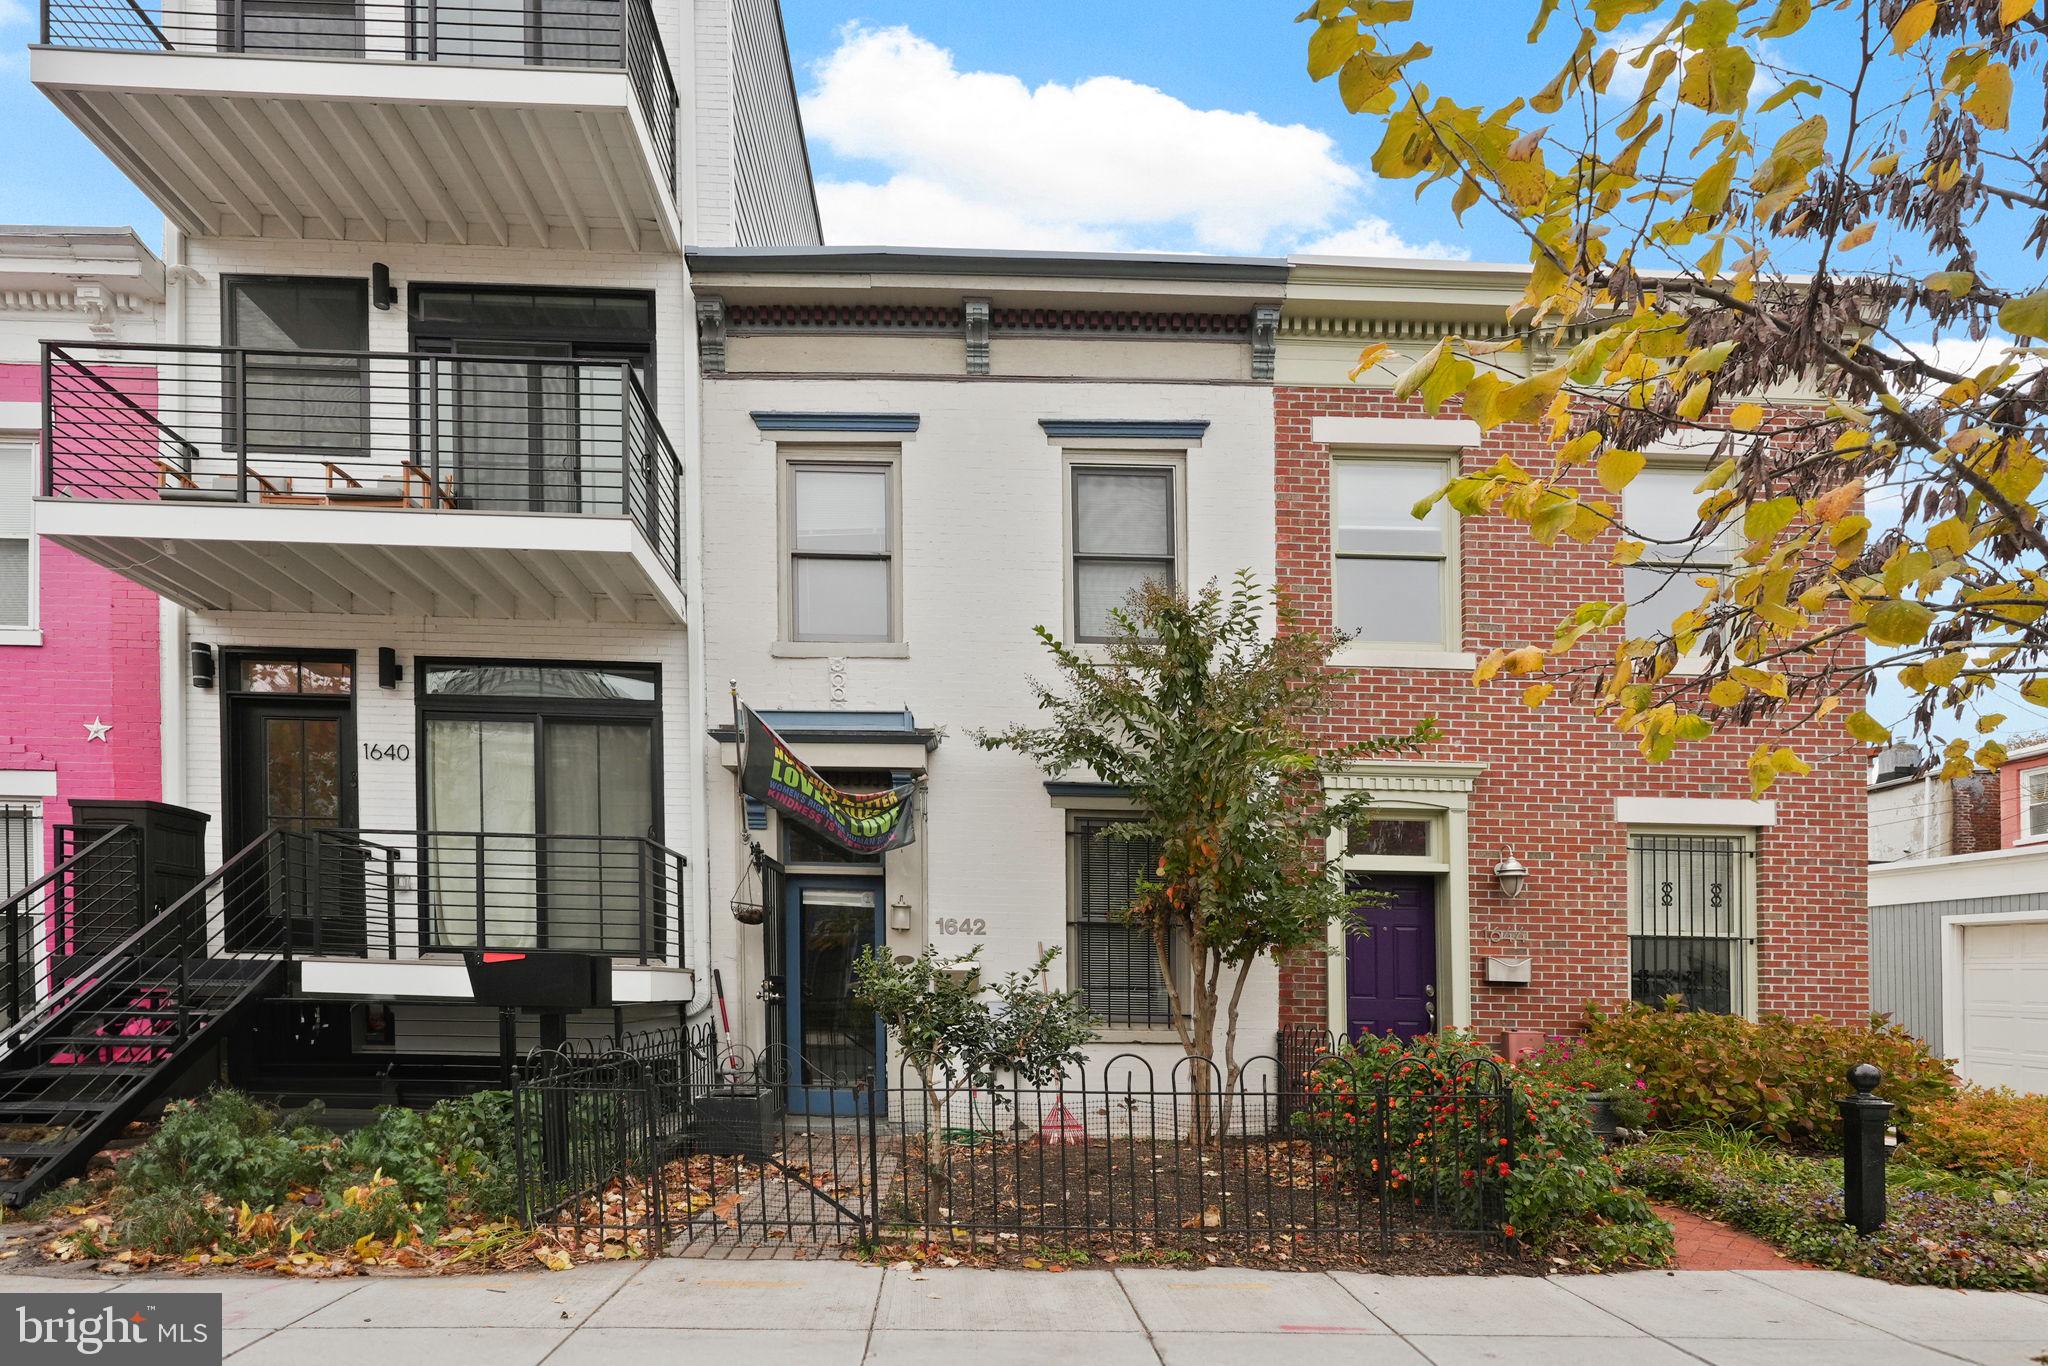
[399, 893]
[359, 429]
[615, 34]
[59, 926]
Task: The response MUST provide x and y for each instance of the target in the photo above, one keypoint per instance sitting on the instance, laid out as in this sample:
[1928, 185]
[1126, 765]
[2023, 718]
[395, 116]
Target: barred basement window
[1690, 921]
[1112, 963]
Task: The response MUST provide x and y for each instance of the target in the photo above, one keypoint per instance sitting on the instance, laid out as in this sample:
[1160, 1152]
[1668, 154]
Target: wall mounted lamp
[1510, 876]
[201, 666]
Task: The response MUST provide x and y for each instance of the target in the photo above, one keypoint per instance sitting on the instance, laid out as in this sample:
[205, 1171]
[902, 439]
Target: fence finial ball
[1865, 1077]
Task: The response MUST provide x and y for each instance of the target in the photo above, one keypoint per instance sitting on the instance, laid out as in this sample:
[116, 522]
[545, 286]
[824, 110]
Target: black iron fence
[615, 34]
[671, 1139]
[356, 429]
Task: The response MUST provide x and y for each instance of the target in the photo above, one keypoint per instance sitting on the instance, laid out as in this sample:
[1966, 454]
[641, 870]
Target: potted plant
[1618, 1102]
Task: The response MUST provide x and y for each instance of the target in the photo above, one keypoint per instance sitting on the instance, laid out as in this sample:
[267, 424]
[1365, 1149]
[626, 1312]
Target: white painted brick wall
[982, 510]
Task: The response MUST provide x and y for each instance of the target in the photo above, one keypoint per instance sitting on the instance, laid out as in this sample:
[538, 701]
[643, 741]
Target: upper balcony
[542, 123]
[355, 482]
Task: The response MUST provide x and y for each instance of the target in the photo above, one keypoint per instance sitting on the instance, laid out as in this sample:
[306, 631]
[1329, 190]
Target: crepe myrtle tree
[961, 1035]
[1834, 203]
[1207, 718]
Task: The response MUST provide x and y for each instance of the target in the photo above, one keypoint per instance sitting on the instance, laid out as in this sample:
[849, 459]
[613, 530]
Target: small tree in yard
[1207, 720]
[959, 1036]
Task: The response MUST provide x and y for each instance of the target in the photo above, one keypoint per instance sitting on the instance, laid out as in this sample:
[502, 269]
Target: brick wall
[1973, 814]
[97, 660]
[1552, 776]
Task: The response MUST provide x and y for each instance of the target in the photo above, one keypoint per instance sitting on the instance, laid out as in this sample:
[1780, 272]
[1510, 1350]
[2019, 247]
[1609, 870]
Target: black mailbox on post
[547, 980]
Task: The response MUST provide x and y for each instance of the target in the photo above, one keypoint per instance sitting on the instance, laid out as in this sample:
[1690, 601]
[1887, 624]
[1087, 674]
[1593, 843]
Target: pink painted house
[80, 708]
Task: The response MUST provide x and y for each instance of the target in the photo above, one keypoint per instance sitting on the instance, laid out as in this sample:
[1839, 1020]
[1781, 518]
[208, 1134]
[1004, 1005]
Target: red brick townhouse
[1532, 860]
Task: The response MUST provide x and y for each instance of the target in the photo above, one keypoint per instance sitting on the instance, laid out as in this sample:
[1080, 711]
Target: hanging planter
[748, 905]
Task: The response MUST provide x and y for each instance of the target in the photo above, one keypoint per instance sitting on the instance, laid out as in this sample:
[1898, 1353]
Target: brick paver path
[1705, 1245]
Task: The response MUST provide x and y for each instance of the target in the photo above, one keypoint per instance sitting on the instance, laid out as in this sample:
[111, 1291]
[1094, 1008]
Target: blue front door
[834, 1041]
[1390, 971]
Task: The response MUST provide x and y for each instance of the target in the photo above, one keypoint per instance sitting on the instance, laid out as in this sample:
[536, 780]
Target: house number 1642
[400, 753]
[949, 925]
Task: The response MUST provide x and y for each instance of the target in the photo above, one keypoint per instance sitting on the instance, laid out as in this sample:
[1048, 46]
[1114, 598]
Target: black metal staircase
[111, 996]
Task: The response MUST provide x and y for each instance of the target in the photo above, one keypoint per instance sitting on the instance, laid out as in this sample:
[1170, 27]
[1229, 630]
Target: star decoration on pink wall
[97, 729]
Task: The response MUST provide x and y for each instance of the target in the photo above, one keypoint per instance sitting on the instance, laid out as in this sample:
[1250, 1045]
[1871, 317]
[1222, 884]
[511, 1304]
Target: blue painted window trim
[1062, 429]
[836, 422]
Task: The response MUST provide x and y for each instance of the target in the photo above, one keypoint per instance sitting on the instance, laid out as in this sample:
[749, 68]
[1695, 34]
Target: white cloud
[1626, 84]
[1372, 235]
[14, 12]
[979, 158]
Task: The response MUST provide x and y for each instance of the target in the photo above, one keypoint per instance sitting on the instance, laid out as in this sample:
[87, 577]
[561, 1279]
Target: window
[1391, 836]
[1689, 922]
[299, 402]
[1124, 535]
[17, 547]
[1662, 509]
[1112, 963]
[841, 551]
[20, 855]
[800, 846]
[2034, 804]
[1395, 578]
[294, 675]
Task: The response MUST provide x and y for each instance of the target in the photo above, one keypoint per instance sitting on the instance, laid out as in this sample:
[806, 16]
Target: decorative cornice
[1110, 322]
[1323, 328]
[1411, 777]
[711, 330]
[977, 315]
[1265, 340]
[1064, 429]
[765, 318]
[933, 319]
[68, 301]
[836, 422]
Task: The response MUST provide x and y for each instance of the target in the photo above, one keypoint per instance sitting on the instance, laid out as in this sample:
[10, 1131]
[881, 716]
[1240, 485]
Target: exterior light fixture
[201, 664]
[1510, 875]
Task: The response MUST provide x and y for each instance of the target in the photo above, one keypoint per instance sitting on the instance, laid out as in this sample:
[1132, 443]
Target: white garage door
[2005, 1005]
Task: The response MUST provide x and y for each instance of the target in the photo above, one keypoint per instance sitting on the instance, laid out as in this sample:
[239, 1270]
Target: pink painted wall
[2009, 776]
[98, 659]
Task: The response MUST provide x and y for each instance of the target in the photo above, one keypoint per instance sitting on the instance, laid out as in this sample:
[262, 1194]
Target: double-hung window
[1396, 581]
[1112, 963]
[1691, 920]
[2034, 804]
[21, 840]
[1124, 534]
[17, 547]
[1662, 507]
[841, 551]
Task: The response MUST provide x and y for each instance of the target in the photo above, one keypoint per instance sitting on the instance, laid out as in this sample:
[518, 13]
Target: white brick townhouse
[414, 459]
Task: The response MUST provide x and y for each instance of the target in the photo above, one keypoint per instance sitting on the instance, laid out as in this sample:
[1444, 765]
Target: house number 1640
[950, 925]
[401, 753]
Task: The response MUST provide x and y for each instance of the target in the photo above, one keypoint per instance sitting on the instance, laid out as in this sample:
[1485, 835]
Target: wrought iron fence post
[1864, 1118]
[872, 1189]
[1384, 1154]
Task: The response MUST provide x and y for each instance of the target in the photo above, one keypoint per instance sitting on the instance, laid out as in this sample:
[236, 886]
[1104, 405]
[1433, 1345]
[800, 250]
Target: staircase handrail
[84, 979]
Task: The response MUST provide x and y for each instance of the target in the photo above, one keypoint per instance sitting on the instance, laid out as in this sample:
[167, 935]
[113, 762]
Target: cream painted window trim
[1444, 790]
[840, 649]
[1373, 657]
[1171, 457]
[1414, 433]
[789, 455]
[1451, 615]
[1690, 814]
[27, 784]
[28, 632]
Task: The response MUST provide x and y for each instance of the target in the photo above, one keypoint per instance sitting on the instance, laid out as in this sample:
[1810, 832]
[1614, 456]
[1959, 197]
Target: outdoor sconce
[201, 656]
[388, 670]
[382, 293]
[899, 914]
[1510, 875]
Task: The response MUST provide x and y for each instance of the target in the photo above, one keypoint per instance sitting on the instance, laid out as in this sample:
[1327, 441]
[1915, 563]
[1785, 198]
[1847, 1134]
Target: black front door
[292, 769]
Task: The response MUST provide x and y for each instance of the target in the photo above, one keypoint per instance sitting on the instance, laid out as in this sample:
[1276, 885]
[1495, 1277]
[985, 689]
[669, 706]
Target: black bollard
[1864, 1119]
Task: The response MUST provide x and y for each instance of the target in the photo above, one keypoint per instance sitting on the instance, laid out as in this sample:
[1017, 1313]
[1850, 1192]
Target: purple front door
[1390, 972]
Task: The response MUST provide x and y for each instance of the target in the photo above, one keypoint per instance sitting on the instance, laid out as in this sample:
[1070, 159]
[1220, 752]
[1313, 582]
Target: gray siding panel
[1905, 956]
[773, 204]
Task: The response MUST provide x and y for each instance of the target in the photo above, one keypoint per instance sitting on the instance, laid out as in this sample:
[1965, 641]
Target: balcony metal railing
[421, 431]
[614, 34]
[394, 894]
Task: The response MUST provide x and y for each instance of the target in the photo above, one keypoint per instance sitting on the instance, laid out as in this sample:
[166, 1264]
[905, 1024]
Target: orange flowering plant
[1439, 1121]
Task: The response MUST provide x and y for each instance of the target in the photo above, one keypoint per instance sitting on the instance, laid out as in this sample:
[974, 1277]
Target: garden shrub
[1982, 1130]
[1571, 1062]
[1778, 1076]
[223, 1171]
[1563, 1196]
[1941, 1230]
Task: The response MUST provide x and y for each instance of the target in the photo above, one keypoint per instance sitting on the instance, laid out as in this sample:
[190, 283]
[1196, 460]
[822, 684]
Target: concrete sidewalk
[839, 1314]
